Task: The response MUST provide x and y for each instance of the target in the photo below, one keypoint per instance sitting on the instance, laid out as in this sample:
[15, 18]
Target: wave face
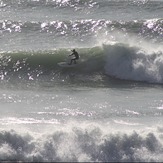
[80, 145]
[43, 65]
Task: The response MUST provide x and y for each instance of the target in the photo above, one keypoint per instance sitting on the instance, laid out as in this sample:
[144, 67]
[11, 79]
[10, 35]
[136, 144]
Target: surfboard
[65, 64]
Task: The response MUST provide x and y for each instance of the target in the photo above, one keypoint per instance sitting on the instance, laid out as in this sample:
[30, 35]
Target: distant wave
[80, 145]
[49, 3]
[121, 61]
[77, 4]
[149, 29]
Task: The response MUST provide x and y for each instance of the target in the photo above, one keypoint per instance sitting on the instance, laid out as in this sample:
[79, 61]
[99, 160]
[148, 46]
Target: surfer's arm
[71, 54]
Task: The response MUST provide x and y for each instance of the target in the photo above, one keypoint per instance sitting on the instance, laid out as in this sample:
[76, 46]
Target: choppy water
[108, 108]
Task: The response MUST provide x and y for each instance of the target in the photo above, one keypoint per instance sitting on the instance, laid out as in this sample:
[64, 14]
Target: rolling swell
[146, 28]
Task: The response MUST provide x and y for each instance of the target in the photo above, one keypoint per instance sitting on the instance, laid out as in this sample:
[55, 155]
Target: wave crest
[133, 63]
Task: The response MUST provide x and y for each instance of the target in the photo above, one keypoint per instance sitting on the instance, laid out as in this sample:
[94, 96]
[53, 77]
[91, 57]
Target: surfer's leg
[73, 60]
[70, 62]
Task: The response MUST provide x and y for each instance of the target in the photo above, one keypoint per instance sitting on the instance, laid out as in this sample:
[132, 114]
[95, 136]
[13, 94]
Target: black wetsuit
[76, 57]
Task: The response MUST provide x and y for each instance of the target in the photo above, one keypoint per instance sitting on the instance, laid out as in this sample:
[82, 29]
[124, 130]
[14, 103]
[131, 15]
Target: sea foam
[80, 144]
[134, 63]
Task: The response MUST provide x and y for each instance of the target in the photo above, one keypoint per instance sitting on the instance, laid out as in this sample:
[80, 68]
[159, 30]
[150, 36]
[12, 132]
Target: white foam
[85, 143]
[134, 63]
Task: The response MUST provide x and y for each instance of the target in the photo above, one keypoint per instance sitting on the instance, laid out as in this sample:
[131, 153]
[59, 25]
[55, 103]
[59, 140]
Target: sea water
[109, 107]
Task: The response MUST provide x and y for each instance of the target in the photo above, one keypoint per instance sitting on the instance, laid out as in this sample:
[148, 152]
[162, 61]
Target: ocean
[108, 108]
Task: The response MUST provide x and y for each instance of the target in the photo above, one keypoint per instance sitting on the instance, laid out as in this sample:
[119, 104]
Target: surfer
[76, 56]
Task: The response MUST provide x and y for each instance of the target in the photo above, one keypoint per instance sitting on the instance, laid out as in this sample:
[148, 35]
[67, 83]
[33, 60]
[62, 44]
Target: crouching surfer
[76, 56]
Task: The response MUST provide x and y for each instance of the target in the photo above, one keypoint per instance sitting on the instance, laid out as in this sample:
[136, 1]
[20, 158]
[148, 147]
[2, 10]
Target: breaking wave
[133, 63]
[121, 61]
[81, 145]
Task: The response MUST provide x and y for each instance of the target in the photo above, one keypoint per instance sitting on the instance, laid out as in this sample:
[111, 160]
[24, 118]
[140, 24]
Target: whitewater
[108, 108]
